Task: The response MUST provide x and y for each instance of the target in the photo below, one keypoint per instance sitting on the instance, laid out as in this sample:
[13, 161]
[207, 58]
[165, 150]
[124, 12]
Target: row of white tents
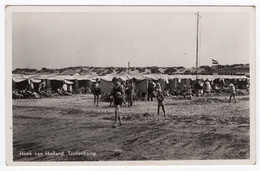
[140, 80]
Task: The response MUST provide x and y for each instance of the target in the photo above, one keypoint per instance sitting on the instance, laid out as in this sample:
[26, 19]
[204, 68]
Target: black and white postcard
[138, 85]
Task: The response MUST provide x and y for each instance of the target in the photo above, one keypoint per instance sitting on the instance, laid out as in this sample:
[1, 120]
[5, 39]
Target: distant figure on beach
[207, 87]
[129, 89]
[111, 97]
[150, 90]
[96, 90]
[118, 94]
[160, 98]
[123, 84]
[232, 92]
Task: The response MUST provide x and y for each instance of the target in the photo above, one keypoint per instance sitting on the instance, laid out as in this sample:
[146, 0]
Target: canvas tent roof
[76, 76]
[124, 76]
[50, 77]
[151, 76]
[109, 77]
[68, 82]
[21, 77]
[205, 77]
[106, 81]
[136, 76]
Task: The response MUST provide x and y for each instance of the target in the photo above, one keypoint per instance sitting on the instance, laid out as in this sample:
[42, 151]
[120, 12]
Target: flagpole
[128, 68]
[197, 46]
[197, 52]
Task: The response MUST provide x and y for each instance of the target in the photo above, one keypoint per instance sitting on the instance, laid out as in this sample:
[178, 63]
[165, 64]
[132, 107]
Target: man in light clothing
[232, 91]
[208, 87]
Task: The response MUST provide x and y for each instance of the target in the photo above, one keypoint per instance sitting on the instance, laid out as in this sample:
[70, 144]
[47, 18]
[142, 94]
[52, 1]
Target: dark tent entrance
[84, 83]
[141, 87]
[21, 85]
[56, 84]
[36, 86]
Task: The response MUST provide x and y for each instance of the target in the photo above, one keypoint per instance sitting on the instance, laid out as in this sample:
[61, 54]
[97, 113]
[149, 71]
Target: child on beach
[96, 91]
[232, 91]
[160, 98]
[129, 92]
[117, 93]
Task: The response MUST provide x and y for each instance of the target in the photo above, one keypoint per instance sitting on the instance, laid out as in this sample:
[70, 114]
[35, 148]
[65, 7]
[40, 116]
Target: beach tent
[174, 81]
[21, 81]
[161, 79]
[54, 81]
[180, 80]
[106, 81]
[82, 81]
[139, 82]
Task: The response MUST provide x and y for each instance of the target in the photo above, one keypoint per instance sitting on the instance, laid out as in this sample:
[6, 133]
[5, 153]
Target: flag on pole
[214, 62]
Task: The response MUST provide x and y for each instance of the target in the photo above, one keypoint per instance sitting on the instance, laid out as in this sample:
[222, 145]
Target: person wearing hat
[96, 91]
[118, 93]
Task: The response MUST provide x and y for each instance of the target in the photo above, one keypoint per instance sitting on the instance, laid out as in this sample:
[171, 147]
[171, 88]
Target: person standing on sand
[123, 84]
[207, 87]
[129, 92]
[96, 91]
[150, 90]
[111, 97]
[160, 98]
[232, 91]
[118, 94]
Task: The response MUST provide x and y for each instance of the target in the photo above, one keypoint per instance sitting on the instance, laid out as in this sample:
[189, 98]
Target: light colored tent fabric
[67, 77]
[53, 77]
[77, 80]
[135, 76]
[49, 77]
[21, 77]
[80, 77]
[161, 79]
[107, 84]
[205, 77]
[68, 82]
[106, 81]
[109, 77]
[151, 76]
[35, 80]
[141, 81]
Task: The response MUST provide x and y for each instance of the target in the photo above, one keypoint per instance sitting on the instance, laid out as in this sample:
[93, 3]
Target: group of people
[127, 97]
[155, 90]
[207, 87]
[50, 92]
[120, 90]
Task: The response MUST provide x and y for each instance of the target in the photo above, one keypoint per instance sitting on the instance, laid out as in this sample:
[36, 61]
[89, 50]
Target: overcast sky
[57, 40]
